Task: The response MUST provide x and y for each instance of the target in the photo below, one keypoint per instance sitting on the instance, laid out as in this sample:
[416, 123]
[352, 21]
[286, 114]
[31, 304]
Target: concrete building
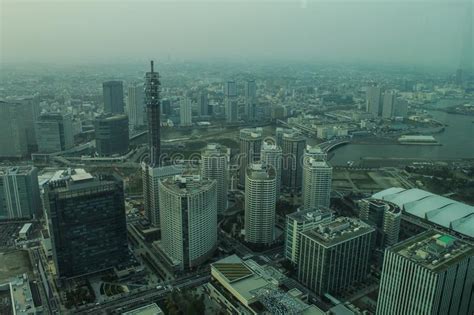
[86, 222]
[314, 152]
[250, 146]
[301, 221]
[244, 288]
[427, 207]
[136, 106]
[215, 165]
[19, 192]
[17, 127]
[374, 100]
[279, 132]
[317, 179]
[151, 183]
[271, 155]
[111, 134]
[54, 133]
[293, 146]
[388, 107]
[335, 255]
[430, 273]
[185, 112]
[384, 216]
[203, 104]
[260, 202]
[188, 218]
[250, 92]
[231, 105]
[113, 97]
[17, 293]
[401, 108]
[153, 108]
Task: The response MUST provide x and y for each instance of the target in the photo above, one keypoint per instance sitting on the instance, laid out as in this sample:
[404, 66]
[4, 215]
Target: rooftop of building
[214, 149]
[150, 309]
[387, 205]
[112, 117]
[72, 179]
[293, 135]
[256, 291]
[337, 231]
[253, 133]
[187, 184]
[21, 296]
[440, 210]
[16, 170]
[267, 146]
[315, 163]
[259, 171]
[434, 250]
[306, 215]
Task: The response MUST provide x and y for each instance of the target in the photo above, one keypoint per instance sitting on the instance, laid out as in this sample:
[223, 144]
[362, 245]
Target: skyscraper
[373, 99]
[430, 273]
[388, 108]
[317, 177]
[203, 104]
[300, 221]
[314, 152]
[401, 108]
[185, 112]
[384, 216]
[86, 222]
[111, 134]
[188, 219]
[231, 106]
[250, 146]
[19, 192]
[215, 165]
[250, 91]
[271, 155]
[260, 202]
[279, 132]
[17, 127]
[152, 101]
[136, 106]
[54, 133]
[113, 97]
[334, 255]
[293, 146]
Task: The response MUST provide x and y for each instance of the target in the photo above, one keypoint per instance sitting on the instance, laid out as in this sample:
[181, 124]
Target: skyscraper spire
[152, 101]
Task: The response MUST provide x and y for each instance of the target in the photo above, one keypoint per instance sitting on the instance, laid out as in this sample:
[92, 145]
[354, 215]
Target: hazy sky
[414, 32]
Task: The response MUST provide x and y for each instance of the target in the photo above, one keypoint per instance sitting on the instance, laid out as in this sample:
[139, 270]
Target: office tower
[215, 165]
[188, 219]
[136, 106]
[19, 192]
[152, 101]
[250, 146]
[388, 107]
[317, 177]
[293, 146]
[17, 127]
[231, 106]
[86, 221]
[384, 216]
[185, 112]
[314, 152]
[250, 91]
[334, 255]
[300, 221]
[373, 100]
[113, 97]
[260, 202]
[111, 134]
[151, 184]
[166, 107]
[430, 273]
[203, 104]
[279, 135]
[54, 133]
[401, 108]
[271, 155]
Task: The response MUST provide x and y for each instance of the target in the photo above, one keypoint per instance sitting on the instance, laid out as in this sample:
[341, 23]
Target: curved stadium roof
[443, 211]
